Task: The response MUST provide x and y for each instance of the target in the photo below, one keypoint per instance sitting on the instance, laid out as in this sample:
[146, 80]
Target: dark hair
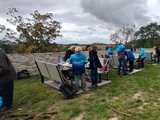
[94, 48]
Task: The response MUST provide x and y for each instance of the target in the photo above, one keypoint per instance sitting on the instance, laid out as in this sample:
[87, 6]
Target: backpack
[68, 91]
[23, 74]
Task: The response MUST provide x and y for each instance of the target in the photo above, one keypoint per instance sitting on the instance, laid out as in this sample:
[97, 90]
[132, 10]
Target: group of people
[78, 59]
[126, 57]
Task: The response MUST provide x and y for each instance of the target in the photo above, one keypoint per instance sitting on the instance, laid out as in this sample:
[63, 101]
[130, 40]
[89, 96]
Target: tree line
[37, 33]
[147, 36]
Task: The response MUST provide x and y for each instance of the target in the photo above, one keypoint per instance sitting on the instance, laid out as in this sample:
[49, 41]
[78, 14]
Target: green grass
[133, 97]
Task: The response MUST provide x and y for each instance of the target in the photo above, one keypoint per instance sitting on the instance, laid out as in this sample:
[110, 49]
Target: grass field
[133, 97]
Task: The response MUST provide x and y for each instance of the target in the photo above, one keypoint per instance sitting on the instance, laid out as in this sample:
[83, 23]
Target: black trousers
[142, 63]
[94, 76]
[158, 58]
[6, 92]
[131, 66]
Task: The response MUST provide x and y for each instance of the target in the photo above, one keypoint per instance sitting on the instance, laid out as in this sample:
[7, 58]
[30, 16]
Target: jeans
[94, 77]
[6, 92]
[122, 66]
[79, 81]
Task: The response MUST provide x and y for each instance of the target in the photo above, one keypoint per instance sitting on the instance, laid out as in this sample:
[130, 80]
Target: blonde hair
[71, 48]
[78, 49]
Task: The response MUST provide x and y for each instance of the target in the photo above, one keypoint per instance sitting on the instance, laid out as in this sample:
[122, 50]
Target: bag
[23, 74]
[1, 102]
[68, 91]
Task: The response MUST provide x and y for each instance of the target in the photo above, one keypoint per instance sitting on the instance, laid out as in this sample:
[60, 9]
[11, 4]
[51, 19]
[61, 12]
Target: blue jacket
[130, 56]
[120, 48]
[142, 53]
[109, 51]
[78, 61]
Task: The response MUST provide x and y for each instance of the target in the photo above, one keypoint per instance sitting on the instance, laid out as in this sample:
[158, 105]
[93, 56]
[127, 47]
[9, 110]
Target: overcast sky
[88, 21]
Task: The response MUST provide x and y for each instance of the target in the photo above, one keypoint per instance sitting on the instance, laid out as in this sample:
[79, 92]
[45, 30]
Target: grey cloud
[27, 6]
[118, 12]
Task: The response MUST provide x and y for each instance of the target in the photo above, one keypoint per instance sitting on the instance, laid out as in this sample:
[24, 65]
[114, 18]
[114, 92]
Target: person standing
[109, 51]
[78, 61]
[130, 59]
[94, 65]
[120, 48]
[142, 56]
[7, 77]
[157, 50]
[69, 52]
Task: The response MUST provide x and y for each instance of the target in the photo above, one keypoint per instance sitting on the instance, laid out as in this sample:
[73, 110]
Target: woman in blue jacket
[142, 56]
[109, 51]
[78, 61]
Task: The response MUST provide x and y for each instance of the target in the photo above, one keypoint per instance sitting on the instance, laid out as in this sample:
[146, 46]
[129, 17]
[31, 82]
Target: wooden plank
[135, 71]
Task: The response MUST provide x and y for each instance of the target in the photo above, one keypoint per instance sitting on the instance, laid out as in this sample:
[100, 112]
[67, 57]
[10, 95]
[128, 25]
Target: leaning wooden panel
[43, 69]
[54, 74]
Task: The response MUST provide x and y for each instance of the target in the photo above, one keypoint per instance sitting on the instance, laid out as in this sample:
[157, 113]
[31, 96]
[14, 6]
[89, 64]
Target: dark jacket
[157, 51]
[7, 71]
[68, 54]
[130, 56]
[94, 60]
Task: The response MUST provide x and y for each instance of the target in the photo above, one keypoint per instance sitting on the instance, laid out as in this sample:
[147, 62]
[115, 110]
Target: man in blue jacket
[120, 48]
[78, 61]
[130, 59]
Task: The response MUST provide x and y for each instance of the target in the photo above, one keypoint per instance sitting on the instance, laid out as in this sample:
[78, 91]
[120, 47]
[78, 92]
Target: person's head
[72, 48]
[107, 47]
[89, 48]
[78, 49]
[94, 48]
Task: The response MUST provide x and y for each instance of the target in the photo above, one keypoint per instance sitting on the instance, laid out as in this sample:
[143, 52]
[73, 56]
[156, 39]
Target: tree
[37, 32]
[148, 36]
[6, 37]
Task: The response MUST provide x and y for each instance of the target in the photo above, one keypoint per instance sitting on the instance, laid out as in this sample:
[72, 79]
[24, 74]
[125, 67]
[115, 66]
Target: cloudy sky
[88, 21]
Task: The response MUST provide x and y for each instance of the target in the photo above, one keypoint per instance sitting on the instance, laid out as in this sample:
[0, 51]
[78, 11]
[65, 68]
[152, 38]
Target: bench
[51, 75]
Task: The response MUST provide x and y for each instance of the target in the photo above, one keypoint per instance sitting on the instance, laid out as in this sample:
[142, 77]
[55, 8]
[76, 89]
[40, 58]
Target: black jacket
[68, 54]
[94, 60]
[7, 71]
